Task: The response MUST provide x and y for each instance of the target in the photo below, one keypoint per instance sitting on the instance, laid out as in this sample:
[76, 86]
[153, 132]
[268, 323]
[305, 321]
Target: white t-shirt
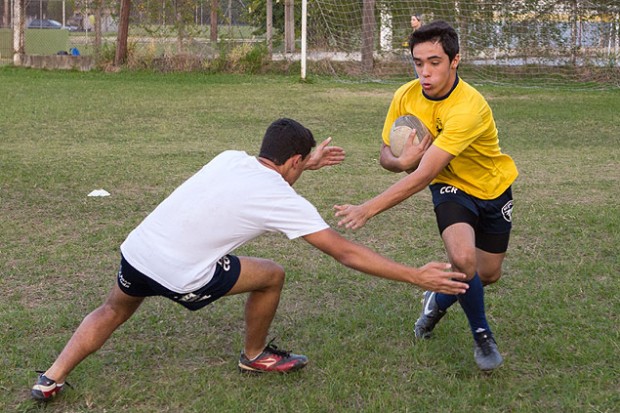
[230, 201]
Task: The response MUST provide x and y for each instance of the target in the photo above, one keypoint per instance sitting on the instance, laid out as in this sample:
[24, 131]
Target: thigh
[257, 274]
[460, 242]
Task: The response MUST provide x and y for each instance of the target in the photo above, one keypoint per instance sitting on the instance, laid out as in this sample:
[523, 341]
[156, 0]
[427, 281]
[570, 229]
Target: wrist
[311, 164]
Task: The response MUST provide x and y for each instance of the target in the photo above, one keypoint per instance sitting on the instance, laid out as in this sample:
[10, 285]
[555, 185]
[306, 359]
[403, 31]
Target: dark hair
[285, 138]
[437, 31]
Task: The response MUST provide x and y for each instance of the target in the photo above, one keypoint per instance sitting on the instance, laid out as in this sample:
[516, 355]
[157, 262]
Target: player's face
[415, 23]
[437, 74]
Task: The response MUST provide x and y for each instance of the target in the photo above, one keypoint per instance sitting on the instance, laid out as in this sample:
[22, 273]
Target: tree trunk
[98, 7]
[6, 14]
[289, 26]
[368, 35]
[180, 32]
[574, 38]
[269, 33]
[214, 7]
[123, 32]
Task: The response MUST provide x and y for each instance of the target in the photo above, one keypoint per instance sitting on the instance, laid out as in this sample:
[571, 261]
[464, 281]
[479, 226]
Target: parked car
[49, 24]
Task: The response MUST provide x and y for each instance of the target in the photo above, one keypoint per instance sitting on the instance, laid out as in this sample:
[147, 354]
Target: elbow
[388, 164]
[383, 162]
[346, 258]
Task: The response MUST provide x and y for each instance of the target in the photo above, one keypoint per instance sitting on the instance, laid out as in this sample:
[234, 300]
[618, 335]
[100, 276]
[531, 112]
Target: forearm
[394, 195]
[432, 276]
[365, 260]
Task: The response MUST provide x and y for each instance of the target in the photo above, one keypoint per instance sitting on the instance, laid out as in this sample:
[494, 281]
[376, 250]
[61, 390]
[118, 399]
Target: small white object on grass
[99, 192]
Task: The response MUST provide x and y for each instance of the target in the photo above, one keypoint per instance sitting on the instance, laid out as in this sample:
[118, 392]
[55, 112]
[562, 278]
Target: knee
[490, 277]
[465, 263]
[277, 275]
[115, 314]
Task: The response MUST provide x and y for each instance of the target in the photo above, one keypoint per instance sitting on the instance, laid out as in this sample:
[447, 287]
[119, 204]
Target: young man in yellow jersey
[470, 180]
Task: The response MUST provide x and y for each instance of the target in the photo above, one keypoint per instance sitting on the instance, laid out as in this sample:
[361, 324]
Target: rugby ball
[401, 129]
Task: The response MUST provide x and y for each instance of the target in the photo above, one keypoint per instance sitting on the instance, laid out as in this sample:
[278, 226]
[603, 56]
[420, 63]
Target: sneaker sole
[490, 369]
[38, 396]
[249, 370]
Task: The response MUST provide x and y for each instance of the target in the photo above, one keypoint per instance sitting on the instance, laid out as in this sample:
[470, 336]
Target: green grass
[555, 311]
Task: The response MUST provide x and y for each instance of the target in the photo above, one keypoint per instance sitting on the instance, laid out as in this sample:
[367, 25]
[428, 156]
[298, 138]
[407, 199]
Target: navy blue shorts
[134, 283]
[491, 219]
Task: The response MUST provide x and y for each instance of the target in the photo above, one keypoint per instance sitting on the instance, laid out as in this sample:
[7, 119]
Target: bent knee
[277, 274]
[490, 278]
[464, 264]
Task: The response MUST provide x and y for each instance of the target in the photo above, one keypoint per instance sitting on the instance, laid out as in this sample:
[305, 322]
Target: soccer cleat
[429, 317]
[272, 359]
[486, 353]
[45, 389]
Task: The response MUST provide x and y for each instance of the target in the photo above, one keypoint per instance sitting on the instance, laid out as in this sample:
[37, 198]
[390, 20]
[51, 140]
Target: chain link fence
[546, 42]
[158, 30]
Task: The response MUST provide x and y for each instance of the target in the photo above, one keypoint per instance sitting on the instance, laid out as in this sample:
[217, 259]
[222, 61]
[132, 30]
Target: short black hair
[437, 31]
[285, 138]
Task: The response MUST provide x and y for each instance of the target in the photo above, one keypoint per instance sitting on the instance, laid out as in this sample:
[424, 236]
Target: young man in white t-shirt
[182, 250]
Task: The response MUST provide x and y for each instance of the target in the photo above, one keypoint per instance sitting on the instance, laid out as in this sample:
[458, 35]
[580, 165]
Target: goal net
[530, 42]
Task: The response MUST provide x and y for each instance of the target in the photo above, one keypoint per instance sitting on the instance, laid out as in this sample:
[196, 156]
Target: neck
[267, 163]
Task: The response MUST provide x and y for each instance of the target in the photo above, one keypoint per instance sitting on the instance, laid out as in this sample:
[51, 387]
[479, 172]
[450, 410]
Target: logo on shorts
[123, 281]
[224, 262]
[507, 211]
[192, 298]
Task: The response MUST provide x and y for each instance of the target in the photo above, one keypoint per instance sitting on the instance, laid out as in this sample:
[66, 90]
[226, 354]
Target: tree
[213, 27]
[368, 34]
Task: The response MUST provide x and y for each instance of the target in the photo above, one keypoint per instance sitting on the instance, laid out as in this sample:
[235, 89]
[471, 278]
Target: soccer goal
[531, 42]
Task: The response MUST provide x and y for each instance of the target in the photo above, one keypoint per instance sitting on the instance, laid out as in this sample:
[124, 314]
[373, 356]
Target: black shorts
[134, 283]
[491, 219]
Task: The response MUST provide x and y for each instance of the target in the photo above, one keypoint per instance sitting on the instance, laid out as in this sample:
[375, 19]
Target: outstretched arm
[433, 276]
[355, 216]
[325, 155]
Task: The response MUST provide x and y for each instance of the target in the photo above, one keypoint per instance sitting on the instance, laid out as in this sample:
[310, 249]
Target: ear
[296, 160]
[455, 62]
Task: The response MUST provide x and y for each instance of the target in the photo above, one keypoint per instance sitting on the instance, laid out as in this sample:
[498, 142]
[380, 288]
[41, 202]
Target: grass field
[555, 312]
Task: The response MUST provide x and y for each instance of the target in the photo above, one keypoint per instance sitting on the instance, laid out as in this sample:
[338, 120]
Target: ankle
[252, 355]
[56, 378]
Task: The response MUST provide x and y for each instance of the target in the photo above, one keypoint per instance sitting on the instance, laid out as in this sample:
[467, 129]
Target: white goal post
[530, 41]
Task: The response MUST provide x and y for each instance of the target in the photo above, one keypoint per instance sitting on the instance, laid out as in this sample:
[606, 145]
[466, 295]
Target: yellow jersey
[462, 124]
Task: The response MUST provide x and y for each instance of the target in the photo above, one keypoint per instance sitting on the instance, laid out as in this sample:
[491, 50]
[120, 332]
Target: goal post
[304, 38]
[532, 42]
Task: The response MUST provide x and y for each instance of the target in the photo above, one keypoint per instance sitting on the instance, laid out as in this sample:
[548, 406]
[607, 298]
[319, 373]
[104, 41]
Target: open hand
[435, 276]
[353, 216]
[325, 155]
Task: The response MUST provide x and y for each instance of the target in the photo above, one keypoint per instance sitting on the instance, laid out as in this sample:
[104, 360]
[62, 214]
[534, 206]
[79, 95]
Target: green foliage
[240, 58]
[257, 15]
[139, 135]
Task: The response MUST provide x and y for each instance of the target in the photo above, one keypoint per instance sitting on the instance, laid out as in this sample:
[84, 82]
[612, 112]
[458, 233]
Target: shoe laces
[485, 343]
[273, 349]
